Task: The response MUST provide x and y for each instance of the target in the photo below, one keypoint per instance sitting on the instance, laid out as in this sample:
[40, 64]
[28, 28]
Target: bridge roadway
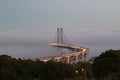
[77, 51]
[71, 47]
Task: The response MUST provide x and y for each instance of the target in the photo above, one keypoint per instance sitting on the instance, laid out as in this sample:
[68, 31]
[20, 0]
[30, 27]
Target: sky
[27, 27]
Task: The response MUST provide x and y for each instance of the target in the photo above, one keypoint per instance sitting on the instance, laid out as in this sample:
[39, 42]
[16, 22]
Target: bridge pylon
[59, 40]
[59, 36]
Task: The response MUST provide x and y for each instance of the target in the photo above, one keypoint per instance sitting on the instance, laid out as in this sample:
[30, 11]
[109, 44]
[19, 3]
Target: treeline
[18, 69]
[105, 67]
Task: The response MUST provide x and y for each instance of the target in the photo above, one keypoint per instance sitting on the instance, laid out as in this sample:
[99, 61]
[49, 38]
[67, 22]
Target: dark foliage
[18, 69]
[107, 64]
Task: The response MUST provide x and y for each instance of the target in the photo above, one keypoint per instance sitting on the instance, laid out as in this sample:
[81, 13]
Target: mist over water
[19, 44]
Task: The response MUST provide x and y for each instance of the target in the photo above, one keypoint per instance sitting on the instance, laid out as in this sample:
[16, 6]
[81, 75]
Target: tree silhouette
[107, 63]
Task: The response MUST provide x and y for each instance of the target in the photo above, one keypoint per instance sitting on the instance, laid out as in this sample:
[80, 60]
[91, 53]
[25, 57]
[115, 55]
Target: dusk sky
[27, 27]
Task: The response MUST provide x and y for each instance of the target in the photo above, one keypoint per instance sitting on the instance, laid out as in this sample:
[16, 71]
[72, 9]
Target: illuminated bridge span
[77, 53]
[70, 47]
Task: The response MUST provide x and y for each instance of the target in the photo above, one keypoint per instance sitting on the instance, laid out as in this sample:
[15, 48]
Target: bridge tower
[59, 40]
[59, 36]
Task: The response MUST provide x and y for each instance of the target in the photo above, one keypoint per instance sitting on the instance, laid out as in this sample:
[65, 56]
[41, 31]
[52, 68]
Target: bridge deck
[71, 47]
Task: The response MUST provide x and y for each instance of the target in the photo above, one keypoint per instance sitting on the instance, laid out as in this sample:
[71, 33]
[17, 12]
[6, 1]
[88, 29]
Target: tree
[107, 63]
[7, 71]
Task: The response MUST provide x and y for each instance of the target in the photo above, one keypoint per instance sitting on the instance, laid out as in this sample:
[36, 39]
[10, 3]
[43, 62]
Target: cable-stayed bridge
[76, 53]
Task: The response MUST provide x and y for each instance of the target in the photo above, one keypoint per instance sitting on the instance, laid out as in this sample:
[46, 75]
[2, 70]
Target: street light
[76, 71]
[84, 72]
